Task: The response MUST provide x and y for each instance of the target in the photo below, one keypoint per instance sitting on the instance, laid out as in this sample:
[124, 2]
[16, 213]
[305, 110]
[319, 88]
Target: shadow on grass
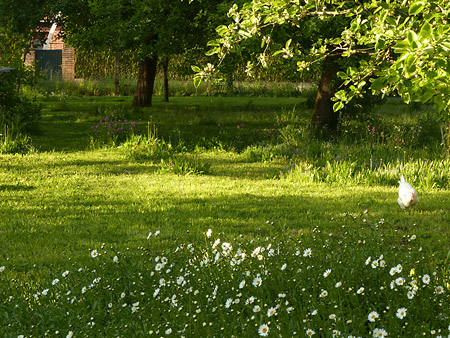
[16, 187]
[86, 222]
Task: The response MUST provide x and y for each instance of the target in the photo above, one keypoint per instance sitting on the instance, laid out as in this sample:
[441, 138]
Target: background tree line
[352, 47]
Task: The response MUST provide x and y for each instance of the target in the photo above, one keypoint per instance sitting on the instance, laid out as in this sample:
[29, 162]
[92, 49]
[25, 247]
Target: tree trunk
[116, 74]
[146, 82]
[324, 119]
[165, 66]
[230, 82]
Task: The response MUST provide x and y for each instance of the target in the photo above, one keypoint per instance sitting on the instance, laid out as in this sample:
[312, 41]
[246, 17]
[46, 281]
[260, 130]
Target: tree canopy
[382, 46]
[150, 28]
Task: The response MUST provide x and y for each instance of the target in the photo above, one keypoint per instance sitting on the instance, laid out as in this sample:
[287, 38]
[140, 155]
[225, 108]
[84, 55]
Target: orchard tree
[409, 47]
[303, 32]
[397, 45]
[153, 29]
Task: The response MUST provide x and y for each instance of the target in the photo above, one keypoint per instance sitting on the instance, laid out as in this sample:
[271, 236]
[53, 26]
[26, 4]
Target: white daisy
[208, 233]
[271, 312]
[228, 303]
[400, 281]
[242, 284]
[323, 294]
[439, 290]
[263, 330]
[401, 313]
[310, 332]
[380, 333]
[257, 281]
[94, 253]
[307, 252]
[327, 273]
[426, 279]
[373, 316]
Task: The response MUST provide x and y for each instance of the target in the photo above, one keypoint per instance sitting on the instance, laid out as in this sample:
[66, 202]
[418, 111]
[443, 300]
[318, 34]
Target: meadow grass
[96, 243]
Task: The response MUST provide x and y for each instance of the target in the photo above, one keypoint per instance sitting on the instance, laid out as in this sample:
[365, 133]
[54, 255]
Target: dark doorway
[49, 62]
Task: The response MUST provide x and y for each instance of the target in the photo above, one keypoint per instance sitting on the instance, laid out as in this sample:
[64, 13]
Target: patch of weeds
[149, 147]
[112, 130]
[184, 165]
[11, 143]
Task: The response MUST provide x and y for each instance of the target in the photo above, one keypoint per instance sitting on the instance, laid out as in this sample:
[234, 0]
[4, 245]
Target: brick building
[50, 54]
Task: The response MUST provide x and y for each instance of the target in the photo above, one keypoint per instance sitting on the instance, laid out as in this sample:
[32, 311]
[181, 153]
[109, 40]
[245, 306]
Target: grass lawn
[66, 200]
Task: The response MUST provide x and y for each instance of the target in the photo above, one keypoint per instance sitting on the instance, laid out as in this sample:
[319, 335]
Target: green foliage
[148, 147]
[185, 165]
[14, 143]
[18, 114]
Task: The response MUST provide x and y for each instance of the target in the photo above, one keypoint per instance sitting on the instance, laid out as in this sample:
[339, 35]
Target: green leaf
[384, 5]
[197, 81]
[342, 75]
[402, 47]
[390, 20]
[427, 95]
[212, 51]
[412, 37]
[426, 29]
[416, 7]
[380, 44]
[394, 78]
[409, 61]
[222, 29]
[338, 106]
[196, 69]
[341, 95]
[213, 43]
[431, 74]
[377, 84]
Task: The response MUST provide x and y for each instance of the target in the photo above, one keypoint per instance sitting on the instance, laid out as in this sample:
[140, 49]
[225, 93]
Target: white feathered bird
[407, 195]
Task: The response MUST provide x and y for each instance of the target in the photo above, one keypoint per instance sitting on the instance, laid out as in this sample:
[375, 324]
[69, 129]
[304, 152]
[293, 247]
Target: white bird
[407, 195]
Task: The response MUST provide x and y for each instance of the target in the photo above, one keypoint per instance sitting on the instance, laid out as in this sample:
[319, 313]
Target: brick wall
[68, 63]
[68, 56]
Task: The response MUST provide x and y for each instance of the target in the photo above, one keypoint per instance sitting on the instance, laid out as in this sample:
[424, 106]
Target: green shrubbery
[18, 115]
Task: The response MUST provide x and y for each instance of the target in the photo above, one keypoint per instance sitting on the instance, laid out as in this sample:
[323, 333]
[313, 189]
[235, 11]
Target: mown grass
[67, 199]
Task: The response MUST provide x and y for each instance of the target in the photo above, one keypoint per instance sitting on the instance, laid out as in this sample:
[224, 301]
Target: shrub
[17, 114]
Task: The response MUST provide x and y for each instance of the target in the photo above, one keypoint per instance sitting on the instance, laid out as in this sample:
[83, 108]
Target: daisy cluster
[311, 286]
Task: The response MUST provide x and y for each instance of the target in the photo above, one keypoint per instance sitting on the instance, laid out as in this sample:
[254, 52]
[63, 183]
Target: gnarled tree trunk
[146, 82]
[324, 119]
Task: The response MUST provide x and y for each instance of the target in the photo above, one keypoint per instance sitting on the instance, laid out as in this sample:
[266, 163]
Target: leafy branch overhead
[400, 45]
